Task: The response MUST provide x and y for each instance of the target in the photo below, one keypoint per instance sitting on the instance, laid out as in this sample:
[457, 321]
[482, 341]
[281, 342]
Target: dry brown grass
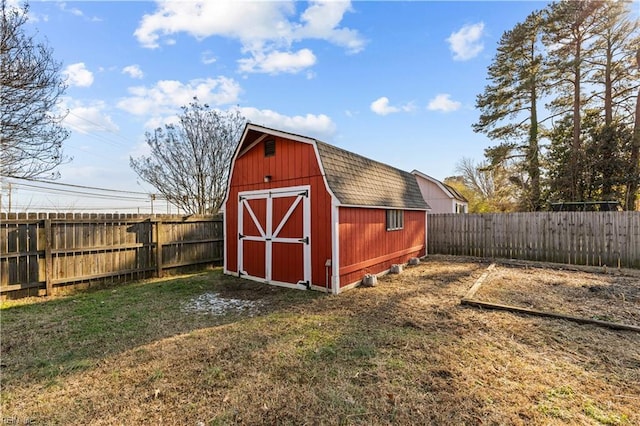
[404, 352]
[607, 297]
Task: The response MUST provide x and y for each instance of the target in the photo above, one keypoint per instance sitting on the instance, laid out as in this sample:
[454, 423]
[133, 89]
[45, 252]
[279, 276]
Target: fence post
[48, 259]
[158, 241]
[487, 249]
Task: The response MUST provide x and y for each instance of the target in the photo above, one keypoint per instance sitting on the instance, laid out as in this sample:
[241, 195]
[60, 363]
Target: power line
[83, 208]
[69, 191]
[102, 127]
[82, 186]
[72, 193]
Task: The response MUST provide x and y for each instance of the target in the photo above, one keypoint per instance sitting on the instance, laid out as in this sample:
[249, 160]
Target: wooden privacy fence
[579, 238]
[50, 250]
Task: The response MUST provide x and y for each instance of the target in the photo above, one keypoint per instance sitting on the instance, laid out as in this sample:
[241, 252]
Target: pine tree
[615, 81]
[569, 30]
[509, 105]
[633, 183]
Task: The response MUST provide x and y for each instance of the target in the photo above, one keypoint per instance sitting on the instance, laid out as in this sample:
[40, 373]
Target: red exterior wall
[366, 247]
[293, 164]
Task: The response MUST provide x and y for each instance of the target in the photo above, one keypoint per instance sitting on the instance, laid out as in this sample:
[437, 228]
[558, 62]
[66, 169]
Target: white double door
[274, 236]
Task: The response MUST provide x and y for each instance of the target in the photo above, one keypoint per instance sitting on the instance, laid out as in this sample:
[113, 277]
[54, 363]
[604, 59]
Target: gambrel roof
[359, 181]
[353, 179]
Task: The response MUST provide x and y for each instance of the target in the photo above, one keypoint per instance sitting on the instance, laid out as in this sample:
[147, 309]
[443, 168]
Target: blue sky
[393, 81]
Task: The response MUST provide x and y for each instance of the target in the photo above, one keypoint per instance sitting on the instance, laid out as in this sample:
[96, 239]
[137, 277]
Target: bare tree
[31, 135]
[189, 161]
[490, 188]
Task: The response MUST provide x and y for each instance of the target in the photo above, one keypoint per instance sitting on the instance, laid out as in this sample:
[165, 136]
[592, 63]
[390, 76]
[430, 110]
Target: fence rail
[45, 251]
[579, 238]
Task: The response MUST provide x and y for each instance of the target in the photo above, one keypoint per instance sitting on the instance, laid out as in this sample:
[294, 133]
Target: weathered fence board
[580, 238]
[41, 252]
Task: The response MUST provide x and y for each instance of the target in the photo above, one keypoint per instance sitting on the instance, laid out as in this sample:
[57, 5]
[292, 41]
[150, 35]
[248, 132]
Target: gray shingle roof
[353, 179]
[359, 181]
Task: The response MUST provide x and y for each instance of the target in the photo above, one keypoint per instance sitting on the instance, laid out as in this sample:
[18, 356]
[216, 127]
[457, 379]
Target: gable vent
[270, 148]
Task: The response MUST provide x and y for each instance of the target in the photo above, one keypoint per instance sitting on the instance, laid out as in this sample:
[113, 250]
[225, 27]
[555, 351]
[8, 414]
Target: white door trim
[270, 236]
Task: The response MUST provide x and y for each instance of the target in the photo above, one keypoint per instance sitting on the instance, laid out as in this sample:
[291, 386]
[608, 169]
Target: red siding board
[365, 244]
[249, 227]
[294, 164]
[363, 238]
[287, 263]
[293, 227]
[254, 265]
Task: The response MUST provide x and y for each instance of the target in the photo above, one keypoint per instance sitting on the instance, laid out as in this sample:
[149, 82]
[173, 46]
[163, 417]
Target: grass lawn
[210, 349]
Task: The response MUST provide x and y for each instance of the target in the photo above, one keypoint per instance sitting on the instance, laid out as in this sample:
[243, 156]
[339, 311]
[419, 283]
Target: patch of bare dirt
[214, 304]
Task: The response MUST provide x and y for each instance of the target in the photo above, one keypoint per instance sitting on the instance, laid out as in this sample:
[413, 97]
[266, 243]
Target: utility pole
[5, 185]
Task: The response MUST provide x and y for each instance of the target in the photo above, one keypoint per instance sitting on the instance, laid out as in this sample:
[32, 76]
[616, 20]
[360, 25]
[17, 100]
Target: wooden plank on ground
[472, 291]
[517, 309]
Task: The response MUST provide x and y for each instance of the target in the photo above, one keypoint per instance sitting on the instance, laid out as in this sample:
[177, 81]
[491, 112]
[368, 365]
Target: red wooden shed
[305, 214]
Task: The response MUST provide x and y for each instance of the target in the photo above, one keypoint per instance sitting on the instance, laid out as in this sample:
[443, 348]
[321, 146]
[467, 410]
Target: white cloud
[156, 122]
[381, 107]
[320, 126]
[168, 95]
[78, 75]
[465, 43]
[141, 149]
[278, 62]
[90, 118]
[321, 20]
[77, 12]
[207, 57]
[442, 102]
[74, 10]
[133, 71]
[31, 17]
[264, 28]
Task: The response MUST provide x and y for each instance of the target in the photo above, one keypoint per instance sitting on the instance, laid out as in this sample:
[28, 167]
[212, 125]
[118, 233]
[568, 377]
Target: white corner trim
[335, 245]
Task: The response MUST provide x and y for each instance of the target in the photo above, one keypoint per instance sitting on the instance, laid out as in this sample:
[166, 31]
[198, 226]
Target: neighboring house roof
[447, 189]
[456, 194]
[352, 178]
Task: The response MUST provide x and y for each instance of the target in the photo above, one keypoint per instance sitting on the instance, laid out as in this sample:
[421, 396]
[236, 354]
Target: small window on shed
[395, 219]
[269, 147]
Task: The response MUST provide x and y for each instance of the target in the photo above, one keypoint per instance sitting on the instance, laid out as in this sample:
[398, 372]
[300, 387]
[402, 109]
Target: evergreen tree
[633, 182]
[509, 106]
[614, 82]
[569, 32]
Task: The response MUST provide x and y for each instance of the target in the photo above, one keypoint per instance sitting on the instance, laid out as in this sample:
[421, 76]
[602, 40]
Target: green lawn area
[211, 349]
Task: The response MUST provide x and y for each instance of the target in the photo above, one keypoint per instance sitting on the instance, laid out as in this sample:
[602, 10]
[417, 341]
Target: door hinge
[304, 240]
[240, 236]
